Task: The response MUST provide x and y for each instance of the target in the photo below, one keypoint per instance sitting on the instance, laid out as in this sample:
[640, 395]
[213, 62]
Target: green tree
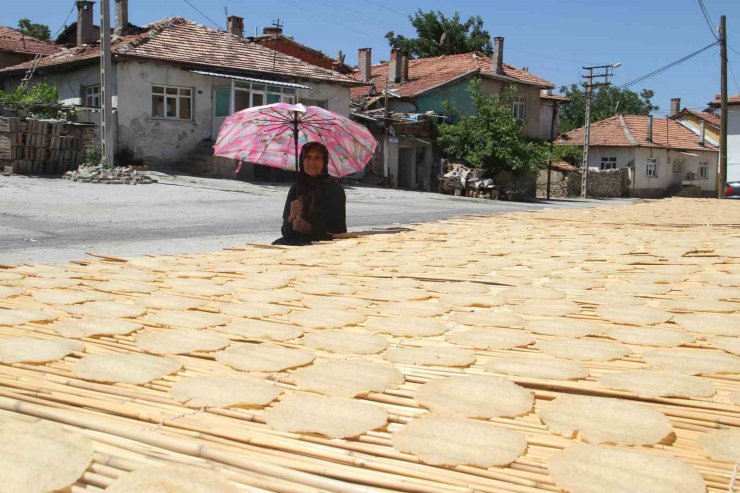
[608, 101]
[38, 31]
[572, 154]
[439, 35]
[491, 138]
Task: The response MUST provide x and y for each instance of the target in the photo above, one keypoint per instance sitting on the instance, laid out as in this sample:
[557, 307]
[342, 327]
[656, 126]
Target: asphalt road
[53, 220]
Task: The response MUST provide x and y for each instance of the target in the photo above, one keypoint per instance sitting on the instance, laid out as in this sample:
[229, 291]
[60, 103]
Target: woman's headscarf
[311, 188]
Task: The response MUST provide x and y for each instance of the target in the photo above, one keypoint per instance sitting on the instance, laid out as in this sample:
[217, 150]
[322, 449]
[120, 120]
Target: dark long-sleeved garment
[324, 204]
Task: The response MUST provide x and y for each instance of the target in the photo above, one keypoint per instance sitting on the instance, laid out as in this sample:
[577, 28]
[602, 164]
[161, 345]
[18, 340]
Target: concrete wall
[68, 83]
[10, 59]
[546, 109]
[695, 124]
[337, 96]
[624, 155]
[643, 185]
[420, 165]
[733, 143]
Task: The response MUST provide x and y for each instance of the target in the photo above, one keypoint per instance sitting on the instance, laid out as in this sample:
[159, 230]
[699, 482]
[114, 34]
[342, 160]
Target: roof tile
[15, 42]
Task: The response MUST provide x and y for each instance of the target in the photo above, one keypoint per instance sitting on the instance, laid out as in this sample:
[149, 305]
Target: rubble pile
[120, 175]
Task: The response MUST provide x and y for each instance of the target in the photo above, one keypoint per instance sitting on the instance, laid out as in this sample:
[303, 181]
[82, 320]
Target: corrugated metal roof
[252, 79]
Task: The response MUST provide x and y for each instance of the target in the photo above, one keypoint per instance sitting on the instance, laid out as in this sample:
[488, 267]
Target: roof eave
[506, 78]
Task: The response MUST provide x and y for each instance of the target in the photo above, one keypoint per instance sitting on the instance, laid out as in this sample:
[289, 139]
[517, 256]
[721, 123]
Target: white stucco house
[175, 81]
[733, 135]
[661, 155]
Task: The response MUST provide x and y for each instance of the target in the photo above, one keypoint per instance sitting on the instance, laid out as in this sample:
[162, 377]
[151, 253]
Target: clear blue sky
[553, 38]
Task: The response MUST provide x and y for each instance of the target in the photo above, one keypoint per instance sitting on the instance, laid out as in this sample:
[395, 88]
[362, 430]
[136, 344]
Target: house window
[321, 103]
[92, 96]
[608, 163]
[173, 103]
[703, 170]
[678, 166]
[247, 95]
[651, 168]
[519, 107]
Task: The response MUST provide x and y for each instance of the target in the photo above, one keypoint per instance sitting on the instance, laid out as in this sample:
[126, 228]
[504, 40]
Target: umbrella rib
[270, 142]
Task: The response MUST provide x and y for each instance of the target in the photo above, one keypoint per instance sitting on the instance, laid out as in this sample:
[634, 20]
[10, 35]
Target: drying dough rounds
[552, 369]
[40, 456]
[264, 357]
[332, 417]
[333, 302]
[223, 391]
[633, 315]
[406, 326]
[693, 361]
[729, 344]
[326, 288]
[22, 316]
[488, 318]
[721, 445]
[603, 469]
[123, 286]
[253, 309]
[649, 336]
[107, 309]
[724, 294]
[261, 329]
[187, 319]
[171, 478]
[430, 356]
[601, 420]
[532, 293]
[197, 287]
[271, 296]
[411, 308]
[573, 284]
[348, 378]
[479, 300]
[169, 302]
[583, 349]
[607, 298]
[659, 383]
[563, 327]
[9, 292]
[125, 368]
[700, 305]
[548, 308]
[640, 288]
[95, 326]
[709, 323]
[442, 441]
[30, 350]
[313, 318]
[341, 341]
[490, 338]
[463, 287]
[400, 294]
[49, 283]
[474, 397]
[179, 341]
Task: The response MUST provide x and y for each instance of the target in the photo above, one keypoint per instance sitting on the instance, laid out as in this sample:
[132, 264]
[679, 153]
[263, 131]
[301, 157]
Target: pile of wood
[611, 334]
[32, 146]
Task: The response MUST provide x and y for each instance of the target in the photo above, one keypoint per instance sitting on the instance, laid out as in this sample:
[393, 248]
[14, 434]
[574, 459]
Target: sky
[554, 39]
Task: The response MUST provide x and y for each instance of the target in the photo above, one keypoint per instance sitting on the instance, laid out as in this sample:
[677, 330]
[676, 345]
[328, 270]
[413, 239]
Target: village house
[16, 47]
[704, 123]
[660, 155]
[733, 135]
[417, 89]
[175, 81]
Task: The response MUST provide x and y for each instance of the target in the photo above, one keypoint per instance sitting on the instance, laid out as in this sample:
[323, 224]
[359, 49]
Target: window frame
[651, 163]
[611, 161]
[172, 95]
[703, 170]
[323, 103]
[87, 94]
[281, 94]
[678, 166]
[519, 102]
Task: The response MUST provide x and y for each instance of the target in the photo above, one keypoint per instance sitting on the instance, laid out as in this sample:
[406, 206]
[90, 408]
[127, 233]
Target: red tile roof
[564, 167]
[428, 73]
[15, 42]
[710, 118]
[631, 130]
[184, 42]
[730, 100]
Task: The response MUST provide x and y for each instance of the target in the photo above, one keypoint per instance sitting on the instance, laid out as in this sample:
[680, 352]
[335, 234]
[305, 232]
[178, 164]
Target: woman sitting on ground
[315, 207]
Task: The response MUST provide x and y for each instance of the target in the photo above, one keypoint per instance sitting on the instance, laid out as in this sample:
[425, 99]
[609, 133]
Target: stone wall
[559, 184]
[601, 184]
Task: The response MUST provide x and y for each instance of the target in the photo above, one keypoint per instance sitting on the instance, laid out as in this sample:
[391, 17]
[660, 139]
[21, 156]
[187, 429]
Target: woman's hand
[302, 226]
[296, 210]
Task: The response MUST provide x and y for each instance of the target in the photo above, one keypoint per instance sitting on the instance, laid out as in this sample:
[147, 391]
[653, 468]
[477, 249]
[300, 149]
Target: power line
[64, 24]
[707, 18]
[666, 67]
[203, 14]
[734, 77]
[377, 4]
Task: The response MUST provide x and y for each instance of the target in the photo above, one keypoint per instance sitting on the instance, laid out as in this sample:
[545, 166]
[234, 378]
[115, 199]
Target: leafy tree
[38, 31]
[572, 154]
[608, 101]
[491, 138]
[439, 35]
[39, 100]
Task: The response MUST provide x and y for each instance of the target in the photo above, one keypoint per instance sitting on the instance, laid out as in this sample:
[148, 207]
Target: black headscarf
[311, 188]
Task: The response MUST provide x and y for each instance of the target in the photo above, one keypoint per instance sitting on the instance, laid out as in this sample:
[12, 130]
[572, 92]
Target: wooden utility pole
[106, 87]
[555, 108]
[722, 175]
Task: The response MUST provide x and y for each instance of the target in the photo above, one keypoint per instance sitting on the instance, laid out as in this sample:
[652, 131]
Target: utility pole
[106, 86]
[590, 84]
[555, 108]
[722, 175]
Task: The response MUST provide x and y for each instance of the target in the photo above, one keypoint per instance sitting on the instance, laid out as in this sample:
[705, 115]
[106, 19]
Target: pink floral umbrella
[271, 135]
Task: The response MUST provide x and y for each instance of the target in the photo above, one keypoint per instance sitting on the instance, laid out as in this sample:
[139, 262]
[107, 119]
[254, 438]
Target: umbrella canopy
[272, 135]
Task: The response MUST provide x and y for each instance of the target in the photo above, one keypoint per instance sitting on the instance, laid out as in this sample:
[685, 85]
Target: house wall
[733, 143]
[337, 96]
[420, 163]
[645, 186]
[546, 108]
[10, 59]
[624, 155]
[695, 123]
[69, 83]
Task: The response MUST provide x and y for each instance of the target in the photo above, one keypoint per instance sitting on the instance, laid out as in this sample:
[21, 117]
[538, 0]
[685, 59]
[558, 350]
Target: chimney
[675, 106]
[85, 32]
[121, 16]
[235, 25]
[404, 66]
[394, 66]
[364, 62]
[498, 55]
[272, 30]
[702, 134]
[650, 128]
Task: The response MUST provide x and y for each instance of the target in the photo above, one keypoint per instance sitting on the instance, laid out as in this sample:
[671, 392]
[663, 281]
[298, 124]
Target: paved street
[52, 220]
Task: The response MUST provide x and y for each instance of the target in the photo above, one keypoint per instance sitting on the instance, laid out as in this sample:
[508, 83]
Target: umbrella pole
[295, 140]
